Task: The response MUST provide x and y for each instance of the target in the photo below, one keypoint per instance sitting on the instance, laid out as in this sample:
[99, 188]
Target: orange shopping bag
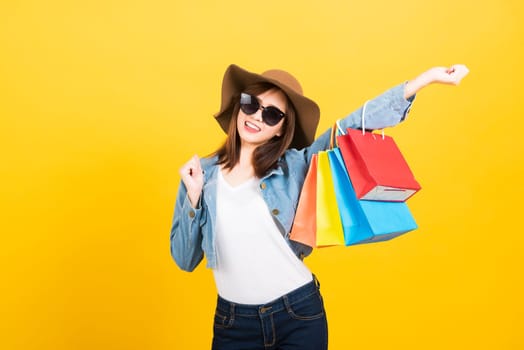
[305, 224]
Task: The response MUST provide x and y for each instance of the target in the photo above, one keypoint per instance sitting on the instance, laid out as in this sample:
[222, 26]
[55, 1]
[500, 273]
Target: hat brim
[237, 79]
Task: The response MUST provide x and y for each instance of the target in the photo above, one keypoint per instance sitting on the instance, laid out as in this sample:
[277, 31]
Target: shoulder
[294, 160]
[292, 155]
[208, 162]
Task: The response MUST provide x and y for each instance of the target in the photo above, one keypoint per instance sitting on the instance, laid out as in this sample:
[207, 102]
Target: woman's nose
[258, 115]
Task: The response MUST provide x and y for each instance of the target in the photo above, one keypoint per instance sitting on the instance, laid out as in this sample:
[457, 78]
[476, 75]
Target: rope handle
[364, 120]
[337, 129]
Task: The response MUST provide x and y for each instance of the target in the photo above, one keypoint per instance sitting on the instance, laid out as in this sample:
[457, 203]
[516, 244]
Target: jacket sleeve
[186, 234]
[385, 110]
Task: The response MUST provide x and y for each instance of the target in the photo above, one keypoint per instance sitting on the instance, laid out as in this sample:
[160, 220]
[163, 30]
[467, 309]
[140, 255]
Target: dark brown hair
[265, 156]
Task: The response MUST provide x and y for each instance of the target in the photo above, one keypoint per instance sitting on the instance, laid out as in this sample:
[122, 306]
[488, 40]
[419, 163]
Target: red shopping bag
[377, 168]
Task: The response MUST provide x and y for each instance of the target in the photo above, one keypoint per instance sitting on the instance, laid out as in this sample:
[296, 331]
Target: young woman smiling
[237, 206]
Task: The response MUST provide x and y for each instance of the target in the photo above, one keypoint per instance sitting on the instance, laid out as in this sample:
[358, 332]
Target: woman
[237, 206]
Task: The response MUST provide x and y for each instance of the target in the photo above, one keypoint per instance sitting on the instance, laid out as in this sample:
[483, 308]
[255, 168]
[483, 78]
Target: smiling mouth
[251, 126]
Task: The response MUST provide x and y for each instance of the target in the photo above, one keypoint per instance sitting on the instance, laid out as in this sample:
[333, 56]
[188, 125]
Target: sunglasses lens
[248, 104]
[271, 116]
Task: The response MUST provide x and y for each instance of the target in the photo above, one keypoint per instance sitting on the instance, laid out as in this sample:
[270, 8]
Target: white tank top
[255, 264]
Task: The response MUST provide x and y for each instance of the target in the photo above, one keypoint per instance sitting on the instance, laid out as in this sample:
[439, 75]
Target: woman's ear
[280, 131]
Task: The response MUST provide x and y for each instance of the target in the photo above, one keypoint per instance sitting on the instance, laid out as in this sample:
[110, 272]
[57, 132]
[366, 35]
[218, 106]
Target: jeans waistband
[273, 306]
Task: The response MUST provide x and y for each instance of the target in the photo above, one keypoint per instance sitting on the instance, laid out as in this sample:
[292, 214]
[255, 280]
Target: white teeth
[252, 126]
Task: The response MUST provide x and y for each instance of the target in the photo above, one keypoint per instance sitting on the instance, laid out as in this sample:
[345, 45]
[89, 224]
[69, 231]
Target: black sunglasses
[249, 104]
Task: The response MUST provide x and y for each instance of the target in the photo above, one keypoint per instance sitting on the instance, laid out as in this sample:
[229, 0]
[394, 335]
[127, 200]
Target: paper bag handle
[364, 120]
[337, 129]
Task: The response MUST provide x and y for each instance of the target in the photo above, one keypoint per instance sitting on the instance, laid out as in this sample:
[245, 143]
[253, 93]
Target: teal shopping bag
[366, 221]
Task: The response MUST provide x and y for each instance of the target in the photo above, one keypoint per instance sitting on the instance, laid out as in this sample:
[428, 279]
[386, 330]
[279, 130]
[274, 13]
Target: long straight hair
[265, 156]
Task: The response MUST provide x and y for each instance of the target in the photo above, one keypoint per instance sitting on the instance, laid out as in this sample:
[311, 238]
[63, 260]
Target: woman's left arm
[443, 75]
[392, 106]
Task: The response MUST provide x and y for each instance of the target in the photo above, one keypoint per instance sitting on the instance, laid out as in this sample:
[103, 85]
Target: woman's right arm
[186, 234]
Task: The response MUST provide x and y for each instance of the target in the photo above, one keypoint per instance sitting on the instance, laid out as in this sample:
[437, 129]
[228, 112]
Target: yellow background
[101, 102]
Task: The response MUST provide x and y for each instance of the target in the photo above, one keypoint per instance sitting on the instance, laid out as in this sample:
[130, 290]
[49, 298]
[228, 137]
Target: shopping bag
[366, 221]
[305, 226]
[377, 168]
[330, 213]
[329, 226]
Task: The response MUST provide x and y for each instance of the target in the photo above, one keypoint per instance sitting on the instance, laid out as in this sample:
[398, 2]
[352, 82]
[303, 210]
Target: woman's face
[251, 129]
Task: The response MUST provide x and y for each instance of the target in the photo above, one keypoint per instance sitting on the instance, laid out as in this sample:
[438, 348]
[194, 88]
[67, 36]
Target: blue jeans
[296, 321]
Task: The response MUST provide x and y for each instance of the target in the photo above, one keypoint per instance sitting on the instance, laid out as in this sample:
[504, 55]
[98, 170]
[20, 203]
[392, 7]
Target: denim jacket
[193, 229]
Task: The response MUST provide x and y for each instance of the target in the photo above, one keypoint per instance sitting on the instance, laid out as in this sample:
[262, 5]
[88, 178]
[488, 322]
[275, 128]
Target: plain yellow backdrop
[101, 102]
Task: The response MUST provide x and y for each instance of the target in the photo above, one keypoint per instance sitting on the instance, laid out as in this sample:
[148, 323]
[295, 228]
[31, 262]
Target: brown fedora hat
[237, 79]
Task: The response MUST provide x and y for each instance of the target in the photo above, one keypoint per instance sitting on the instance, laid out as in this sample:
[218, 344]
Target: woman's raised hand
[192, 176]
[443, 75]
[448, 75]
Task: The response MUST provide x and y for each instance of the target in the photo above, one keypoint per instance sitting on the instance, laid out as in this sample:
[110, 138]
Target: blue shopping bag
[366, 221]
